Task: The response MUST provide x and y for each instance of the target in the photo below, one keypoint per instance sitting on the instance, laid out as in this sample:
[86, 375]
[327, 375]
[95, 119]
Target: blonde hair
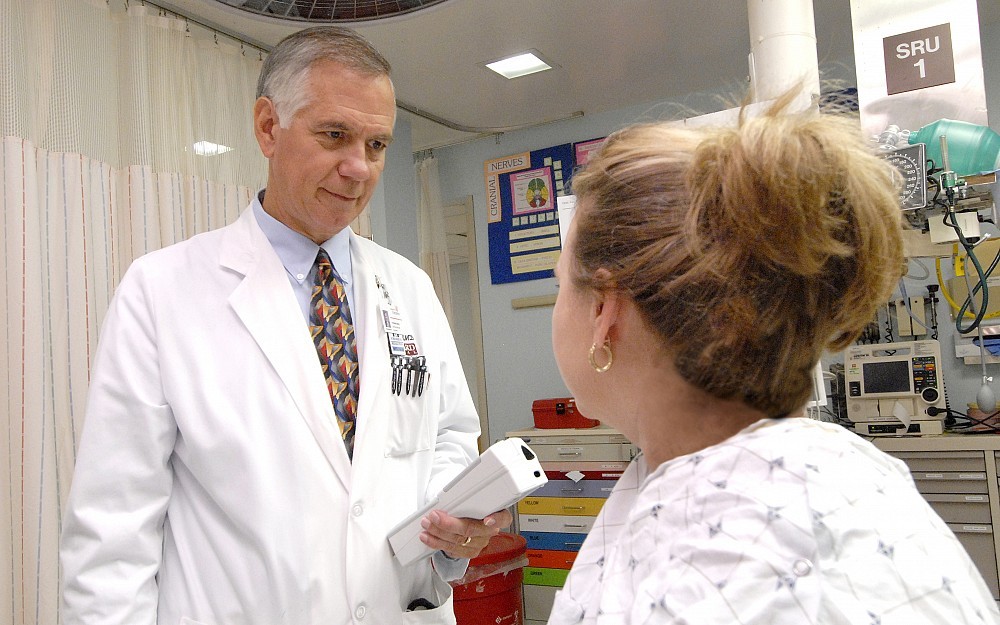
[748, 250]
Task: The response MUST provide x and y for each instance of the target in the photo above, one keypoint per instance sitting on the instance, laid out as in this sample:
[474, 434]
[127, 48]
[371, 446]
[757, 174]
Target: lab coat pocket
[412, 421]
[444, 614]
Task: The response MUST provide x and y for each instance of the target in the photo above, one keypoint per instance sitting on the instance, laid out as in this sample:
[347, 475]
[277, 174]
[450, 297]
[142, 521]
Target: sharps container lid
[503, 546]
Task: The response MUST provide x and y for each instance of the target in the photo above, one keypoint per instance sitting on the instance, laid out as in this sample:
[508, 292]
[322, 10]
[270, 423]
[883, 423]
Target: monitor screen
[887, 377]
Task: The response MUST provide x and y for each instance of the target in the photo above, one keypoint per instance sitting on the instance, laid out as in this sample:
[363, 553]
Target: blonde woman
[705, 273]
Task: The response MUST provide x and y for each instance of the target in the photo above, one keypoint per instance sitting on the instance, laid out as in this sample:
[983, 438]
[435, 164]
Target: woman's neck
[677, 419]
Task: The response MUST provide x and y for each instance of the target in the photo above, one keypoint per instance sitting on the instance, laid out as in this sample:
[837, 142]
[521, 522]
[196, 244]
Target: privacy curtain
[101, 108]
[433, 237]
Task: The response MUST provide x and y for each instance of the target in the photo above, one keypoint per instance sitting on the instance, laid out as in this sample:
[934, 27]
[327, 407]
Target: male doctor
[234, 471]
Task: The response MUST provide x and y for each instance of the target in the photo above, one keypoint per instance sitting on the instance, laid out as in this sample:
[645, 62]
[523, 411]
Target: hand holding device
[502, 475]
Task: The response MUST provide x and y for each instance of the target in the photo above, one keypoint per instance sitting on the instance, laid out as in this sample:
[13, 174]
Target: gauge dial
[911, 164]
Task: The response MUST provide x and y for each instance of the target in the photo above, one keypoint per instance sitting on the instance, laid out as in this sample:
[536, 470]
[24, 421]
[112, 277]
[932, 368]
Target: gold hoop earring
[606, 346]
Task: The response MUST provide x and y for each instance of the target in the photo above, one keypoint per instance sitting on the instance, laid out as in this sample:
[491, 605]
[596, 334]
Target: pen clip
[397, 373]
[422, 366]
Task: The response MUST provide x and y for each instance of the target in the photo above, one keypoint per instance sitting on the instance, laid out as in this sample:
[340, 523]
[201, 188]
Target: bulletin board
[522, 219]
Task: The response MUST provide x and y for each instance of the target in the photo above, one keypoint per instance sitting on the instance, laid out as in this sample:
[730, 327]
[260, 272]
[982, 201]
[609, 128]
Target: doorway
[466, 322]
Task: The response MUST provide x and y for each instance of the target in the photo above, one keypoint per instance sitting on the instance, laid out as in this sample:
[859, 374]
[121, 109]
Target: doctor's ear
[265, 122]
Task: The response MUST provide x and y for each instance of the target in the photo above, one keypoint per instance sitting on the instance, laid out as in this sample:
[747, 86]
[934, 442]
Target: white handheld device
[501, 476]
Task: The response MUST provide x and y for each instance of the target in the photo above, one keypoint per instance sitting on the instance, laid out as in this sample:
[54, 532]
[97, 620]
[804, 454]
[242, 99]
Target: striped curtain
[433, 241]
[100, 110]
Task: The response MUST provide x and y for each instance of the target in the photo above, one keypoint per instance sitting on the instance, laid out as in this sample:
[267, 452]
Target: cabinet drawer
[943, 461]
[570, 506]
[978, 542]
[534, 576]
[590, 453]
[553, 541]
[571, 436]
[538, 602]
[566, 470]
[569, 488]
[550, 559]
[970, 508]
[555, 523]
[948, 482]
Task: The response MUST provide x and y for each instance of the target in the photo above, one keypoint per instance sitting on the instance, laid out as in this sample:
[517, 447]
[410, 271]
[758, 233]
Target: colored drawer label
[554, 523]
[550, 559]
[545, 577]
[576, 476]
[570, 506]
[554, 540]
[569, 488]
[610, 467]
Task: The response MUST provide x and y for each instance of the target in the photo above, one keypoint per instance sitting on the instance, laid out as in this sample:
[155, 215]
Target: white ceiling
[608, 54]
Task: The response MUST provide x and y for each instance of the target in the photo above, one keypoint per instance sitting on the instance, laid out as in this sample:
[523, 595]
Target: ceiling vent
[330, 11]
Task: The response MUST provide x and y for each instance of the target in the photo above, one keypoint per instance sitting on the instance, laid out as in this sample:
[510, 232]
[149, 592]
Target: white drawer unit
[582, 466]
[958, 476]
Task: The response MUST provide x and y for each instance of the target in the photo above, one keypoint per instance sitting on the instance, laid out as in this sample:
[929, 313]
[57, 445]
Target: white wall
[394, 206]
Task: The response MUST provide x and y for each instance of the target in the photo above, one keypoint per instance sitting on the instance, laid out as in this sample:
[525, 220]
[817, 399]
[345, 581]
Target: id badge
[401, 340]
[409, 367]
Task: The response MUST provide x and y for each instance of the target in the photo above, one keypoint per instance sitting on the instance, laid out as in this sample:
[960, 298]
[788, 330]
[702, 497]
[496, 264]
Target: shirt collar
[297, 252]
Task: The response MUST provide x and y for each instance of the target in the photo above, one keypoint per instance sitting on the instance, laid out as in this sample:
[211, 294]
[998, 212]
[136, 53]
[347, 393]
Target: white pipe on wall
[782, 47]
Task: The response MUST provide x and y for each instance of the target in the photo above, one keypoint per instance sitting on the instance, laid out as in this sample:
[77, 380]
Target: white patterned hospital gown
[791, 521]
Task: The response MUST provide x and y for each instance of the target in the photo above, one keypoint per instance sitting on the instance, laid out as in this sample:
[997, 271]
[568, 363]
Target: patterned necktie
[333, 333]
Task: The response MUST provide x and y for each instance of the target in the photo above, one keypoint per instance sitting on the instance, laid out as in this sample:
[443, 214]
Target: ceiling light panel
[519, 65]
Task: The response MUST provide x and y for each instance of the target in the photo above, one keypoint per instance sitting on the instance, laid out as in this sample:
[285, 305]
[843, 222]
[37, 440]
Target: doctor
[223, 477]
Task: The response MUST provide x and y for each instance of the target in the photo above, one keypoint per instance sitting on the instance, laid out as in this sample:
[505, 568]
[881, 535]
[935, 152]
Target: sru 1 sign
[919, 59]
[919, 48]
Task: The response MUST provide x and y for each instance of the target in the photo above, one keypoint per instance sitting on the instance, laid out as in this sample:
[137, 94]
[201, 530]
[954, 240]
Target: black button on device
[930, 394]
[527, 453]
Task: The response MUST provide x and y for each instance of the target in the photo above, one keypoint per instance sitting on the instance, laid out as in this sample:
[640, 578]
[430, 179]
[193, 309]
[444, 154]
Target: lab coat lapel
[276, 324]
[373, 351]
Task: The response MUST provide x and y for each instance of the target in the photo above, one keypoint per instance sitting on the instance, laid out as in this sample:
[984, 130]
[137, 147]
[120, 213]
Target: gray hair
[286, 69]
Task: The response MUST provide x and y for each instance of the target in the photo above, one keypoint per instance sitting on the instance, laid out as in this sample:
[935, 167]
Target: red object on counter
[559, 412]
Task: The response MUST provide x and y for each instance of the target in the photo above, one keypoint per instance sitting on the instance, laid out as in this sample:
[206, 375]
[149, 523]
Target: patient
[705, 273]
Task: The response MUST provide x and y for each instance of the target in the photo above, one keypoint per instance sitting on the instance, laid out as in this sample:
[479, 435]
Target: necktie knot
[324, 267]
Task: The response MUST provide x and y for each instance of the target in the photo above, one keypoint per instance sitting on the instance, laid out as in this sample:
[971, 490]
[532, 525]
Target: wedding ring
[468, 539]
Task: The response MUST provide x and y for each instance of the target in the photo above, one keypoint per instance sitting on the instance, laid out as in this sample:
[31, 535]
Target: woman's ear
[606, 312]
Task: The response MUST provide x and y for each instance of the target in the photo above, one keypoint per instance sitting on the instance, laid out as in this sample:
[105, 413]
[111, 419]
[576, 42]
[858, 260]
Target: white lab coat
[212, 486]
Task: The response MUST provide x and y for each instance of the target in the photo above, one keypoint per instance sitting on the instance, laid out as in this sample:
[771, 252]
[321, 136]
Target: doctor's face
[324, 166]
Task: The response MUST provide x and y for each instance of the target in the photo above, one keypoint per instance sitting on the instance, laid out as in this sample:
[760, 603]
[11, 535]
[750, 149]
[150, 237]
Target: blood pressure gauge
[911, 163]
